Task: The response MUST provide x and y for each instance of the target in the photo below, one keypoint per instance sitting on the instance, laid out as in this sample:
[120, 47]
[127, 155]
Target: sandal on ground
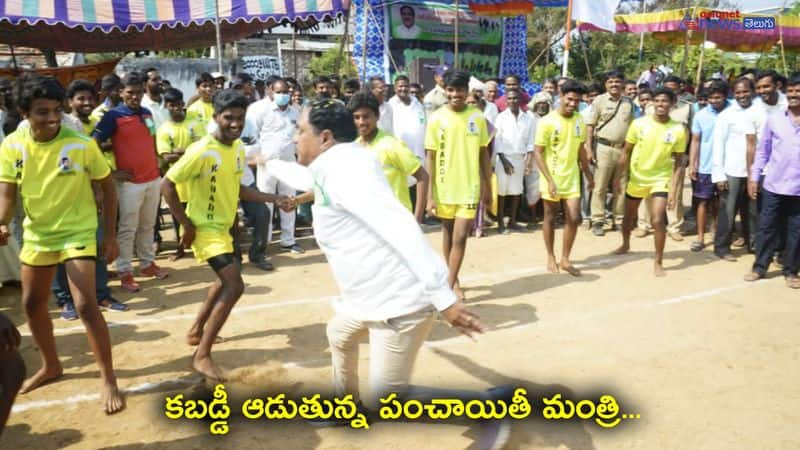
[697, 246]
[793, 282]
[753, 276]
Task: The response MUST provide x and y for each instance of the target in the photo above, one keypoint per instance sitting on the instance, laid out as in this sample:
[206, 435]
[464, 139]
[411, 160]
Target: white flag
[599, 13]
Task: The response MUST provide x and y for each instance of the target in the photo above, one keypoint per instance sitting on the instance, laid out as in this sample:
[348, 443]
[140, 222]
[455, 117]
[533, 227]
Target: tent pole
[780, 30]
[364, 41]
[294, 51]
[565, 63]
[345, 39]
[455, 38]
[641, 35]
[702, 57]
[219, 37]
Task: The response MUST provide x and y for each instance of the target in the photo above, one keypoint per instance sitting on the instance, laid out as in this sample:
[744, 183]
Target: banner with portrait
[421, 29]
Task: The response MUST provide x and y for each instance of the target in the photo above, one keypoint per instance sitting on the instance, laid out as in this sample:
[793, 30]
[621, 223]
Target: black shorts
[654, 194]
[222, 261]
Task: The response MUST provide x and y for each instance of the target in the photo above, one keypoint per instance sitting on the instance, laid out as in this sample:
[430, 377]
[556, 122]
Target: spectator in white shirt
[408, 117]
[276, 132]
[734, 136]
[769, 97]
[513, 145]
[379, 89]
[152, 98]
[392, 282]
[540, 107]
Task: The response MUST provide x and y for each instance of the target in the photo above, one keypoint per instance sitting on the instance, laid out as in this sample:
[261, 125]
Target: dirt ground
[708, 361]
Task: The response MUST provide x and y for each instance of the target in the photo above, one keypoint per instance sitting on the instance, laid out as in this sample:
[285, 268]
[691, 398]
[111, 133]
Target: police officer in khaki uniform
[612, 114]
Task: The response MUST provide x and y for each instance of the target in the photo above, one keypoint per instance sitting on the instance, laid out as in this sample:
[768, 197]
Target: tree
[325, 64]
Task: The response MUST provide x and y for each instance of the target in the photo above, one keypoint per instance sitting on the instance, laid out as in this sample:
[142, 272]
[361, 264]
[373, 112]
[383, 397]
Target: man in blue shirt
[701, 160]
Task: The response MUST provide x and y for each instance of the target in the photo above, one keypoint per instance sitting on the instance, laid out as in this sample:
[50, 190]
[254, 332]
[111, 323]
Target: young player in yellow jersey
[53, 168]
[202, 110]
[212, 169]
[560, 155]
[654, 147]
[458, 161]
[172, 139]
[398, 161]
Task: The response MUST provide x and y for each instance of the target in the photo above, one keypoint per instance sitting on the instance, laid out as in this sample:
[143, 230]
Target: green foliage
[325, 64]
[541, 73]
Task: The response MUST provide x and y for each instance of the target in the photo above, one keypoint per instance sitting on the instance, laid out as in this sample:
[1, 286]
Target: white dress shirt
[381, 261]
[491, 112]
[729, 141]
[408, 124]
[513, 135]
[158, 110]
[276, 133]
[385, 121]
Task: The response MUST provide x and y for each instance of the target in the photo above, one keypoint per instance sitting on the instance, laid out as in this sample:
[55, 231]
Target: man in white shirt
[378, 88]
[408, 117]
[540, 107]
[734, 137]
[408, 29]
[276, 131]
[513, 144]
[152, 98]
[769, 97]
[392, 282]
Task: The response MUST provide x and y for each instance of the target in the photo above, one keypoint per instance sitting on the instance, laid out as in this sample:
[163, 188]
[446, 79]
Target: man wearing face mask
[276, 138]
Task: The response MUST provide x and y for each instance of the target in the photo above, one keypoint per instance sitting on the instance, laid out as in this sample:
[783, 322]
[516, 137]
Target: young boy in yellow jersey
[558, 150]
[172, 139]
[202, 110]
[456, 143]
[398, 161]
[654, 147]
[53, 168]
[212, 169]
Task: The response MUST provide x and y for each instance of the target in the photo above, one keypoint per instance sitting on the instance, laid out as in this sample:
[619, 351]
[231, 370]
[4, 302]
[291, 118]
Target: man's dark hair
[646, 91]
[415, 86]
[204, 77]
[148, 70]
[456, 79]
[614, 74]
[744, 80]
[172, 95]
[402, 78]
[668, 92]
[594, 87]
[673, 79]
[375, 78]
[271, 79]
[572, 86]
[227, 99]
[364, 100]
[629, 82]
[515, 77]
[292, 81]
[245, 77]
[334, 116]
[718, 87]
[78, 86]
[34, 87]
[109, 82]
[133, 79]
[352, 84]
[794, 80]
[408, 8]
[702, 93]
[321, 79]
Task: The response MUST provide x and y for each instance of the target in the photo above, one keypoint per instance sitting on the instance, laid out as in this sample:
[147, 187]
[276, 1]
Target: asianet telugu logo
[725, 20]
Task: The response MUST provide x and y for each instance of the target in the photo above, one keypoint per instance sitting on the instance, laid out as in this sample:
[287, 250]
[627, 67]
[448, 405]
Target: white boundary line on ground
[147, 387]
[259, 306]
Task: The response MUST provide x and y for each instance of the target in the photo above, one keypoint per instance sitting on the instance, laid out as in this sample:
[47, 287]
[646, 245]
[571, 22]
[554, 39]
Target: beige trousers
[393, 348]
[607, 172]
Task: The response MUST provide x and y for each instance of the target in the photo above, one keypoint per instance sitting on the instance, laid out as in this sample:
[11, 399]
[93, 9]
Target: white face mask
[281, 99]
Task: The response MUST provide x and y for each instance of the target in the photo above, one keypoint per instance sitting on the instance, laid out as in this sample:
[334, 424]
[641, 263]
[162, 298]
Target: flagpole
[641, 35]
[455, 42]
[565, 63]
[219, 37]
